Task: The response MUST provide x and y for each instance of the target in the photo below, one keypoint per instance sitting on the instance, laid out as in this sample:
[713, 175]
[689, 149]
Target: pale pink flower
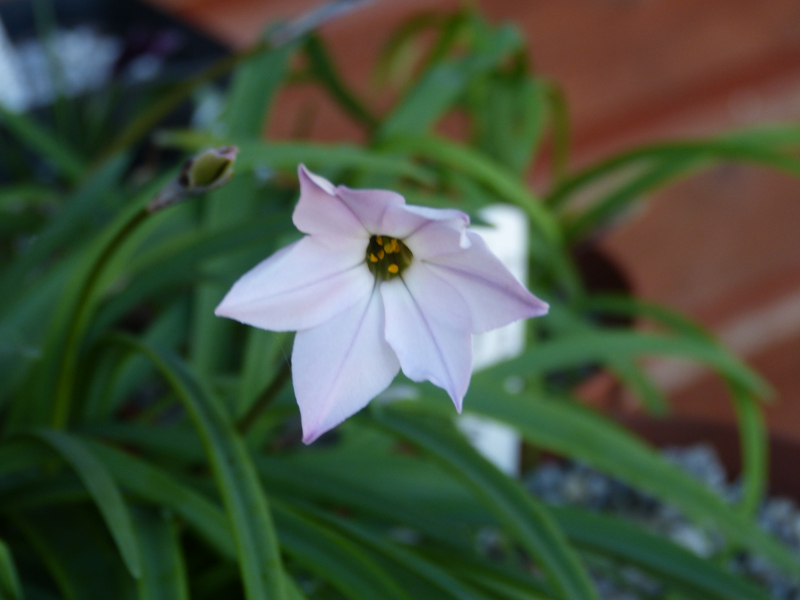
[376, 285]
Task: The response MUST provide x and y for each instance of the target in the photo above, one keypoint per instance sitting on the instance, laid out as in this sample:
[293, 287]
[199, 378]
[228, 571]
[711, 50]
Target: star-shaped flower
[376, 285]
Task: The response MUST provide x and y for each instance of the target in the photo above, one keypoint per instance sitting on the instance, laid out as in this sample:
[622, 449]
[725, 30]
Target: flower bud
[208, 170]
[200, 174]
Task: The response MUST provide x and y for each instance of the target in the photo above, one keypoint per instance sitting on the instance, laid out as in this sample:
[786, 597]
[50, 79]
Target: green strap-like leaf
[245, 501]
[523, 517]
[601, 212]
[44, 143]
[10, 587]
[764, 147]
[163, 569]
[504, 183]
[586, 347]
[253, 88]
[444, 83]
[285, 156]
[752, 429]
[574, 431]
[71, 543]
[335, 558]
[415, 563]
[103, 490]
[616, 537]
[322, 67]
[156, 486]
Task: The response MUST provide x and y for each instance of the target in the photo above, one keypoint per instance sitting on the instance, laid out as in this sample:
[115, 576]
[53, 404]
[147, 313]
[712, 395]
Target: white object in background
[12, 89]
[507, 238]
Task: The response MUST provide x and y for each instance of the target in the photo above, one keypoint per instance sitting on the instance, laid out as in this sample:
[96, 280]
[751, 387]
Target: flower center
[387, 257]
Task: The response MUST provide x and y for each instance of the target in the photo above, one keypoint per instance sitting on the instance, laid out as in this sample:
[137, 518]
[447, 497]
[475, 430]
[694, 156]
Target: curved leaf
[65, 159]
[571, 430]
[332, 556]
[163, 570]
[157, 486]
[503, 183]
[285, 156]
[415, 563]
[758, 147]
[584, 347]
[245, 501]
[752, 429]
[10, 587]
[103, 490]
[613, 536]
[523, 517]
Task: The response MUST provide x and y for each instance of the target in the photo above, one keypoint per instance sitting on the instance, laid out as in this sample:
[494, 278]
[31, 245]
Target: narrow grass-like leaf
[339, 487]
[424, 568]
[340, 562]
[492, 576]
[523, 517]
[511, 120]
[507, 186]
[253, 90]
[163, 569]
[574, 431]
[752, 429]
[646, 391]
[606, 346]
[159, 487]
[285, 156]
[10, 587]
[746, 147]
[754, 442]
[602, 211]
[443, 83]
[103, 490]
[61, 232]
[559, 118]
[612, 536]
[401, 52]
[71, 543]
[245, 501]
[322, 67]
[66, 161]
[263, 353]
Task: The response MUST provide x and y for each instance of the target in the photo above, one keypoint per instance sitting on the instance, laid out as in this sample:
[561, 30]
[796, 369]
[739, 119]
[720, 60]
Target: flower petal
[320, 212]
[370, 206]
[427, 231]
[494, 296]
[339, 366]
[300, 286]
[428, 326]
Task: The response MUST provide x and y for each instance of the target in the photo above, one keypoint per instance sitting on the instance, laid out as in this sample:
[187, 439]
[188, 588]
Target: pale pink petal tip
[305, 176]
[358, 366]
[311, 436]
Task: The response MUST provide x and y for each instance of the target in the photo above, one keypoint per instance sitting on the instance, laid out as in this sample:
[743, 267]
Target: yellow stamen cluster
[387, 257]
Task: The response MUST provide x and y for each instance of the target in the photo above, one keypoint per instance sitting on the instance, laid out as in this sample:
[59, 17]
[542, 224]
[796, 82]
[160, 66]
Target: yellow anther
[395, 247]
[393, 269]
[373, 258]
[388, 248]
[381, 254]
[379, 239]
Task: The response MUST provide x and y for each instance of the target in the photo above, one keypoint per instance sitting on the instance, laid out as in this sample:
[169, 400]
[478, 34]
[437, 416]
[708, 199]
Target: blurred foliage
[151, 450]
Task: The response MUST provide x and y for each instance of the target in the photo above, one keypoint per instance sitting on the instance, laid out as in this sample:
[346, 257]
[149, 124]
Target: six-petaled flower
[376, 285]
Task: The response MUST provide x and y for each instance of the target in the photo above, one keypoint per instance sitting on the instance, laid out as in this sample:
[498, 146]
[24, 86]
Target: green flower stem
[258, 407]
[66, 374]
